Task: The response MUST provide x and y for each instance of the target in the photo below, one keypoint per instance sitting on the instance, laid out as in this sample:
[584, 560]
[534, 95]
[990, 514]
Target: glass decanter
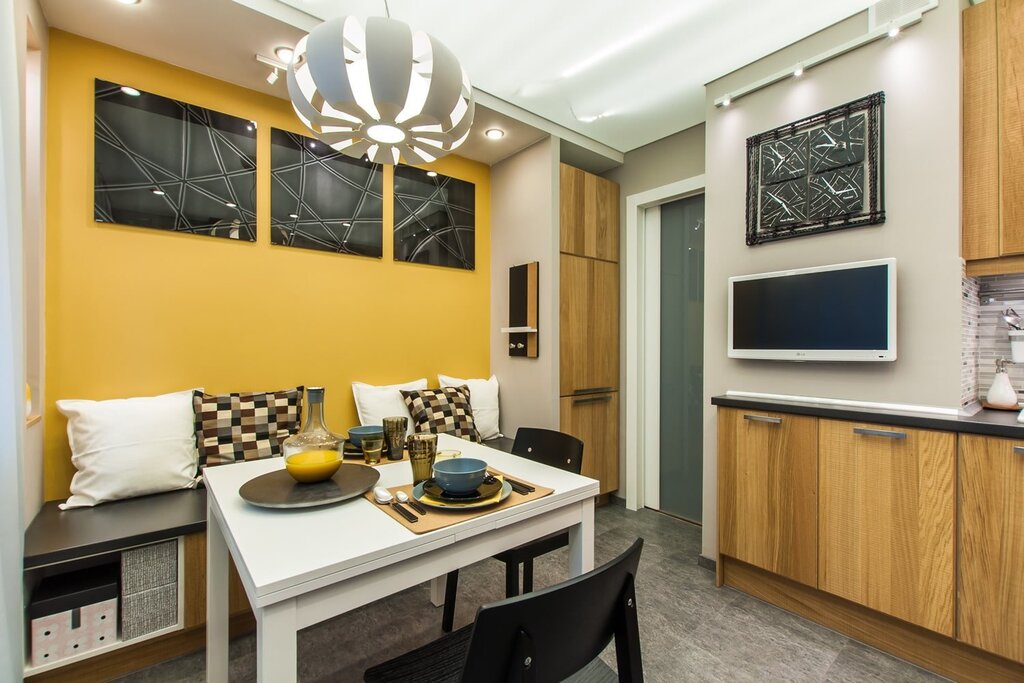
[314, 435]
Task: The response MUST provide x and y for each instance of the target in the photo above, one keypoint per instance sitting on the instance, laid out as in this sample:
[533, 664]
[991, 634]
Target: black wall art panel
[165, 164]
[818, 174]
[322, 199]
[435, 220]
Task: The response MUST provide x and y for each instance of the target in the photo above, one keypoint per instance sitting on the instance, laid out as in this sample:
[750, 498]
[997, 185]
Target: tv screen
[840, 312]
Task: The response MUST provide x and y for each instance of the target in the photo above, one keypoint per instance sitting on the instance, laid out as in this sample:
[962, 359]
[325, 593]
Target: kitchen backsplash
[985, 334]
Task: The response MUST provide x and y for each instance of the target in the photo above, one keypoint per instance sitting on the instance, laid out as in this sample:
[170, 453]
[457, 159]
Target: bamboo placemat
[438, 519]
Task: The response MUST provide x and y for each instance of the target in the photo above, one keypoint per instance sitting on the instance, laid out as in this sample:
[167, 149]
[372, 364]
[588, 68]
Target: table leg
[276, 643]
[437, 590]
[581, 541]
[217, 635]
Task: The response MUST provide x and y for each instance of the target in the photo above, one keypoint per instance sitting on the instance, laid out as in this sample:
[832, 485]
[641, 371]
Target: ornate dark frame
[874, 105]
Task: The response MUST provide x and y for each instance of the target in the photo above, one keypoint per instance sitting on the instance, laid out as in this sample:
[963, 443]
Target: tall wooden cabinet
[589, 320]
[993, 137]
[991, 580]
[768, 469]
[886, 519]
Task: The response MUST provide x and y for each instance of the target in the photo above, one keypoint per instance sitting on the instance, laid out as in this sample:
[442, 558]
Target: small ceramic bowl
[356, 434]
[309, 467]
[460, 475]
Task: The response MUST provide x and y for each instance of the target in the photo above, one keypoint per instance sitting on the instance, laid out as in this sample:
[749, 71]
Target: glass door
[682, 357]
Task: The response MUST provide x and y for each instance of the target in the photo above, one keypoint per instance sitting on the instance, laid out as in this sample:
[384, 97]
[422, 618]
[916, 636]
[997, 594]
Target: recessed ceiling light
[230, 205]
[432, 174]
[494, 133]
[127, 90]
[285, 54]
[158, 192]
[129, 2]
[894, 31]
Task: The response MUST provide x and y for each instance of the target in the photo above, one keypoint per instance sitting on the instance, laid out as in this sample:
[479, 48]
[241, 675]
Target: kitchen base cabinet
[991, 575]
[886, 518]
[594, 420]
[768, 470]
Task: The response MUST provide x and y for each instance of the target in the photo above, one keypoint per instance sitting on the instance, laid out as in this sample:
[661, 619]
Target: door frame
[642, 335]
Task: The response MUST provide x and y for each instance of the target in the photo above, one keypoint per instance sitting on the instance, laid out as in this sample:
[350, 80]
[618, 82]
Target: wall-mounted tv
[843, 312]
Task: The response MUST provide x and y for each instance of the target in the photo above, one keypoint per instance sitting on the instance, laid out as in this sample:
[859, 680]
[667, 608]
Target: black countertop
[985, 422]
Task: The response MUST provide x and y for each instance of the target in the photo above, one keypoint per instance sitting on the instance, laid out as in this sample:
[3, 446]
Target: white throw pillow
[483, 398]
[130, 447]
[374, 403]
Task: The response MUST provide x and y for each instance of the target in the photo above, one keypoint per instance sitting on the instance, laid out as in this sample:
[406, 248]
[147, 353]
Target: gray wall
[920, 74]
[524, 228]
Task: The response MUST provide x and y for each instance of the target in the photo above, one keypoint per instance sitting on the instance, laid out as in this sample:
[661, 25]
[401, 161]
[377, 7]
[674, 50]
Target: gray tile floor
[690, 630]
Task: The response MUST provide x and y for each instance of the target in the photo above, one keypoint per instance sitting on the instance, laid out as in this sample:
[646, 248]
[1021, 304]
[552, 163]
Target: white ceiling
[641, 65]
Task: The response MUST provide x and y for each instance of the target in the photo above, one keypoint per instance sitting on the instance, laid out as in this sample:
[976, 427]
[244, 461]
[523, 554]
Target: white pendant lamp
[380, 89]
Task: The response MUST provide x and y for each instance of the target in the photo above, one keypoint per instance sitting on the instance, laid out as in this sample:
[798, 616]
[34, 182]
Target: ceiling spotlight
[727, 101]
[431, 174]
[158, 192]
[494, 133]
[127, 90]
[230, 205]
[894, 31]
[272, 77]
[285, 54]
[798, 72]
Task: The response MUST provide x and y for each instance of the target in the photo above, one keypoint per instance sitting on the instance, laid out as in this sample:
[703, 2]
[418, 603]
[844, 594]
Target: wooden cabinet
[589, 320]
[886, 520]
[991, 563]
[768, 479]
[594, 420]
[589, 215]
[589, 325]
[195, 583]
[993, 137]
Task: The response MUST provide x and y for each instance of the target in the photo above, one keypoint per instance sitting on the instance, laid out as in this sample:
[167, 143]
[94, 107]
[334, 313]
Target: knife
[416, 506]
[405, 513]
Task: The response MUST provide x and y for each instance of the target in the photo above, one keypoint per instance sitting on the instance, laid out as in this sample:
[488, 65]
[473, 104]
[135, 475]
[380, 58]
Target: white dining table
[301, 567]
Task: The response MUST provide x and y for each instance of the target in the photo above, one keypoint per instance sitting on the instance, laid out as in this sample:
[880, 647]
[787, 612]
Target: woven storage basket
[149, 566]
[149, 611]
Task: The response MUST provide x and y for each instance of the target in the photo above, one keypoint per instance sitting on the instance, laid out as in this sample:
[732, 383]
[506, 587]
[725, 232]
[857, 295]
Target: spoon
[384, 497]
[403, 497]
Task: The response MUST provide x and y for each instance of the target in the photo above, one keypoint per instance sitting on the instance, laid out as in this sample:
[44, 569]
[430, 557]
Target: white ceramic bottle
[1001, 393]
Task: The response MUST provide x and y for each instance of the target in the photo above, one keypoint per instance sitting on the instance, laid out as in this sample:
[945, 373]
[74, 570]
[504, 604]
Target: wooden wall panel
[980, 104]
[572, 209]
[886, 521]
[768, 483]
[991, 567]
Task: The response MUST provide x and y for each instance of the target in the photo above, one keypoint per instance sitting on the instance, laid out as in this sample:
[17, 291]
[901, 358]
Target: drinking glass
[394, 431]
[422, 450]
[372, 446]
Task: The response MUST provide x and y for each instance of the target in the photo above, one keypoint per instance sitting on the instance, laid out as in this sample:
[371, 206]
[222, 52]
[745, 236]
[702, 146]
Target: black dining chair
[548, 447]
[549, 635]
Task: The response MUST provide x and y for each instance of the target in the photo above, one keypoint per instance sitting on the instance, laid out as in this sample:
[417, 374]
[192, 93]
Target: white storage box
[73, 613]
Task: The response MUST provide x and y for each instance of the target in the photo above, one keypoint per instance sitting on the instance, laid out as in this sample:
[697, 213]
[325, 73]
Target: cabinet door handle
[1019, 450]
[763, 418]
[879, 432]
[592, 390]
[594, 399]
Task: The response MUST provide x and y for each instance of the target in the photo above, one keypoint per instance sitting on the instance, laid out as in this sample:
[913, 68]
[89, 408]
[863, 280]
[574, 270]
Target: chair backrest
[551, 634]
[549, 447]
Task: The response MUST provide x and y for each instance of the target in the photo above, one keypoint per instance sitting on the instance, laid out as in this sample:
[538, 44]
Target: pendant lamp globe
[380, 89]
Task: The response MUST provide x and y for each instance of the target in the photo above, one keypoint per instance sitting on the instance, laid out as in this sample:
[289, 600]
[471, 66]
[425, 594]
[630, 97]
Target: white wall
[524, 228]
[920, 74]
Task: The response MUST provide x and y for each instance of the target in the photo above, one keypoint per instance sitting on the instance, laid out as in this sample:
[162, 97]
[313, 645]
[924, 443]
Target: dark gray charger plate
[279, 490]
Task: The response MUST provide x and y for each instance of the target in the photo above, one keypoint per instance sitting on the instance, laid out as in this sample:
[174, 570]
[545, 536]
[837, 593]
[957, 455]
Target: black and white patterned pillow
[246, 426]
[442, 411]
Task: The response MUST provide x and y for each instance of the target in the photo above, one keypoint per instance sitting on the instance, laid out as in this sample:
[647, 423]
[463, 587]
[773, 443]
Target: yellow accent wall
[136, 311]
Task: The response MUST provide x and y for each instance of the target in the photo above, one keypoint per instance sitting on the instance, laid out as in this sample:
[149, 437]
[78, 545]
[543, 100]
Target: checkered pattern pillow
[236, 427]
[442, 411]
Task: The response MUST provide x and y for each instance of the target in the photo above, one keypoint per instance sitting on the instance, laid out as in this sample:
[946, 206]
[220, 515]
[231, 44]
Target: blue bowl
[460, 475]
[356, 434]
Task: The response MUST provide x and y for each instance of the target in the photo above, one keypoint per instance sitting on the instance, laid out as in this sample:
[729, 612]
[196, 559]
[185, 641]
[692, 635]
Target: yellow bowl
[309, 467]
